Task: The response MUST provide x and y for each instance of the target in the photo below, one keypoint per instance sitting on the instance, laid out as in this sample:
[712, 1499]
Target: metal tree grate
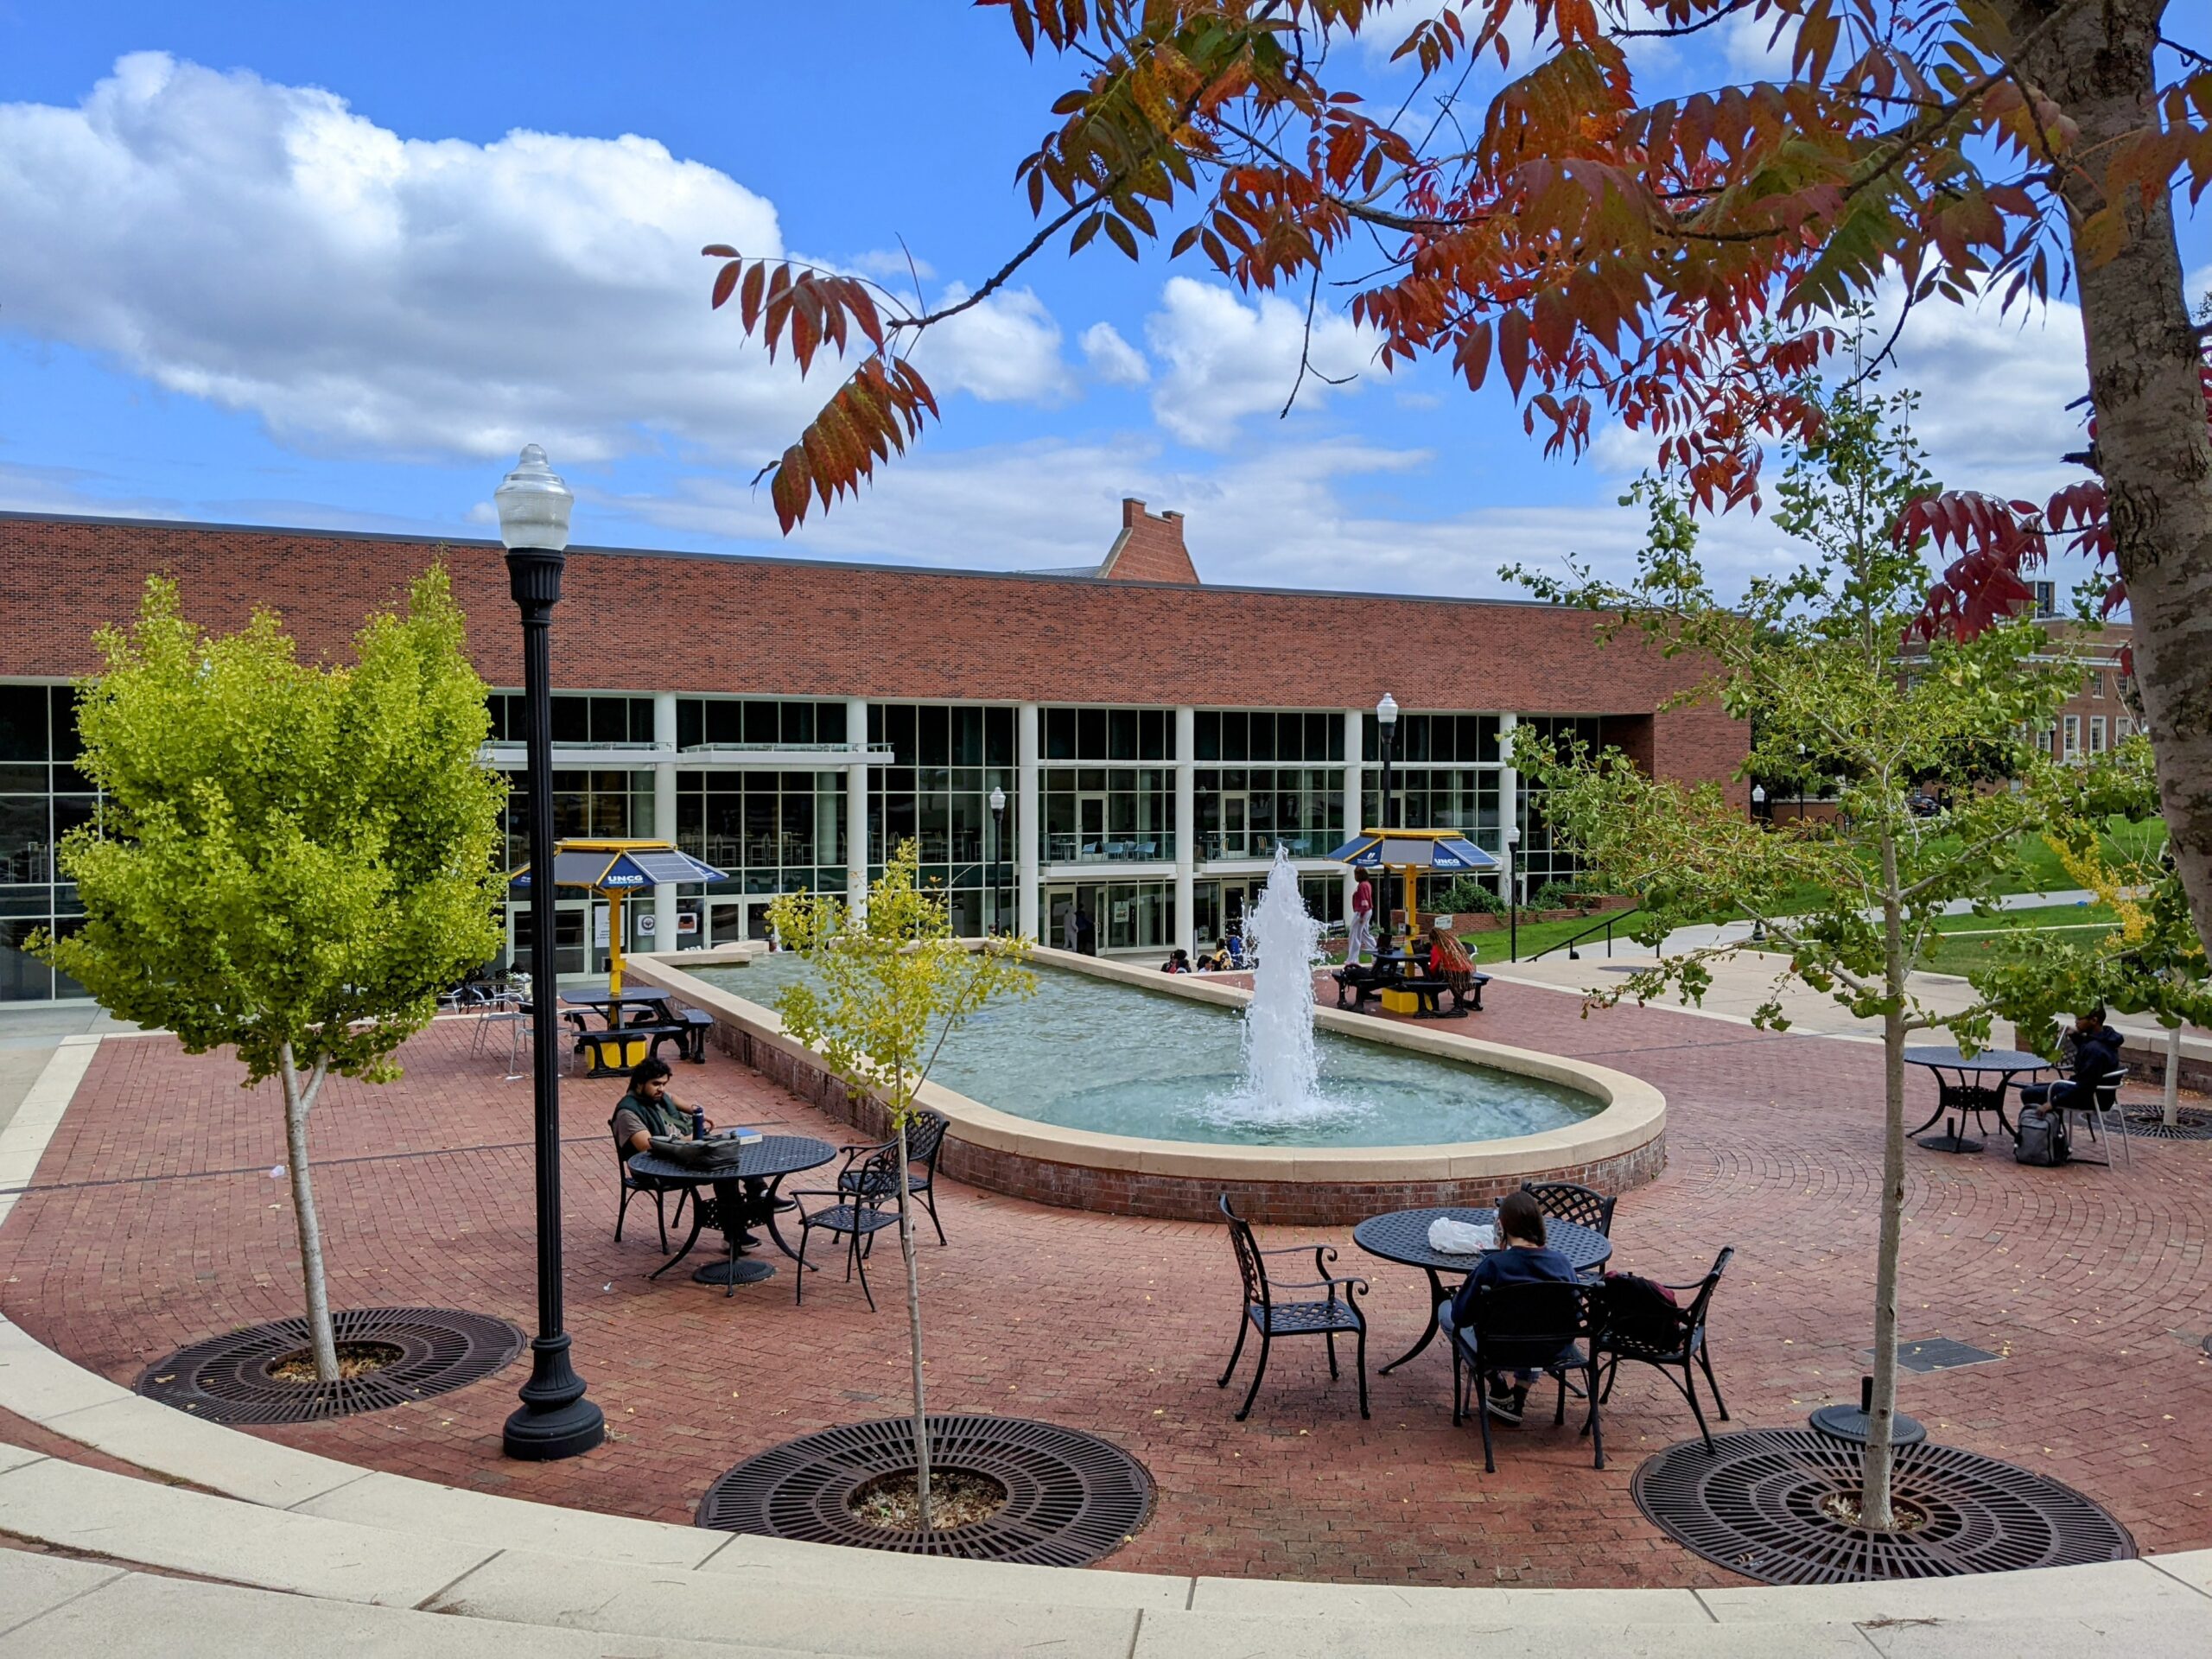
[227, 1379]
[1754, 1506]
[1072, 1497]
[2149, 1123]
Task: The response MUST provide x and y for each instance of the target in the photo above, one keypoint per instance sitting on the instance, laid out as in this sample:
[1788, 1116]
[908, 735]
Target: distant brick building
[1153, 738]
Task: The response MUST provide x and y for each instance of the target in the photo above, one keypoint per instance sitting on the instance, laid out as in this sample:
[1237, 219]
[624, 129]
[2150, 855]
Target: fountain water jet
[1281, 1067]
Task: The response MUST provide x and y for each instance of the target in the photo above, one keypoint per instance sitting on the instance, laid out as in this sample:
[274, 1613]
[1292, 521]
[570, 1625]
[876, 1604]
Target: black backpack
[1640, 1310]
[2042, 1139]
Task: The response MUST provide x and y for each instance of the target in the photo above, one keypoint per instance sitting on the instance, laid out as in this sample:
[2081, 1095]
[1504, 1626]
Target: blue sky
[330, 265]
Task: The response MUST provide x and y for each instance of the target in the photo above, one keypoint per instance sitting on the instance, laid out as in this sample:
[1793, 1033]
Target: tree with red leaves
[1672, 264]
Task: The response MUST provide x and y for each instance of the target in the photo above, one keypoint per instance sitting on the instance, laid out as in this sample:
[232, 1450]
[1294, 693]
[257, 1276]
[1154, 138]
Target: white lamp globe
[533, 504]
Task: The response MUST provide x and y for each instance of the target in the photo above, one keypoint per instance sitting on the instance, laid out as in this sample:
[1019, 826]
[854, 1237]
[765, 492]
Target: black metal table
[1403, 1236]
[744, 1192]
[1965, 1091]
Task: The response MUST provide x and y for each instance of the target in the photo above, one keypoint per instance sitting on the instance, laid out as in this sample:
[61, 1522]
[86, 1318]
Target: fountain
[1282, 1068]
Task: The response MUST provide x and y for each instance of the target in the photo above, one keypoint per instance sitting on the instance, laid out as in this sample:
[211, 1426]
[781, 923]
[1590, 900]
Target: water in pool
[1087, 1054]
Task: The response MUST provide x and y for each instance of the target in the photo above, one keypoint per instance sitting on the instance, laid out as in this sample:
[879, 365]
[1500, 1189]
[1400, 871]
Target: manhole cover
[233, 1379]
[1072, 1497]
[2149, 1122]
[1758, 1505]
[1940, 1354]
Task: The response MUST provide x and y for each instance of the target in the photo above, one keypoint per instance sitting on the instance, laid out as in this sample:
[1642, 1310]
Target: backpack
[1641, 1311]
[2042, 1139]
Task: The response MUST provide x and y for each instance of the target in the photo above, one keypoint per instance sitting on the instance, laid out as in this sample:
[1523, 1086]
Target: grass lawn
[1970, 942]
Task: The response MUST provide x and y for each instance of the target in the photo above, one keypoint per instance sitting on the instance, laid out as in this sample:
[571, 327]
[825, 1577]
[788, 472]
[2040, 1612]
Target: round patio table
[1403, 1236]
[745, 1189]
[1965, 1092]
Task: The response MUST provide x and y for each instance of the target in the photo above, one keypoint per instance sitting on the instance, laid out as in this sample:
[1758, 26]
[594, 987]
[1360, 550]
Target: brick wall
[1149, 548]
[642, 621]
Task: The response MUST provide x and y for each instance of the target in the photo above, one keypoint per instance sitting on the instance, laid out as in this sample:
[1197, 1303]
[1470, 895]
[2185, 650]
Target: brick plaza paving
[155, 1220]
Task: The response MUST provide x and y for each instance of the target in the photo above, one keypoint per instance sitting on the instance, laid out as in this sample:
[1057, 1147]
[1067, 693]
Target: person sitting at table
[1522, 1258]
[1216, 961]
[2093, 1048]
[1445, 954]
[649, 1110]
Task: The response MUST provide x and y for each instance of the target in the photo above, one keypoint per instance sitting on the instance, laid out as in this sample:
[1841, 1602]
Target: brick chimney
[1149, 548]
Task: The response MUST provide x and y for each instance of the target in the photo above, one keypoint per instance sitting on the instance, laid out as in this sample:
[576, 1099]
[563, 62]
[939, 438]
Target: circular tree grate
[1072, 1497]
[1755, 1505]
[2149, 1122]
[229, 1379]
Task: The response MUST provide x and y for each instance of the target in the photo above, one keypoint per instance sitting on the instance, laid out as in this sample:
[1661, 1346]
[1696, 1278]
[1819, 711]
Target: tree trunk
[299, 1101]
[1874, 1508]
[914, 1331]
[2152, 443]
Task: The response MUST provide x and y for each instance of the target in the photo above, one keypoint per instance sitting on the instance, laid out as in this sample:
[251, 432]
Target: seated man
[1177, 963]
[2092, 1048]
[1522, 1257]
[649, 1110]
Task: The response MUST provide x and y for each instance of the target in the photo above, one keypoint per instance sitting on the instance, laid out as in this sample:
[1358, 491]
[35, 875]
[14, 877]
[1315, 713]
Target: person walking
[1359, 935]
[1072, 929]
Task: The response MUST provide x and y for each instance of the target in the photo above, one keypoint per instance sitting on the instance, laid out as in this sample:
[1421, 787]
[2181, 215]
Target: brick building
[1153, 737]
[2105, 710]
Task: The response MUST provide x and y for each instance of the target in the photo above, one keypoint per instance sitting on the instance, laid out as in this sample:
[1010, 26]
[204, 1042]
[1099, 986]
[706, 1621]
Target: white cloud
[1112, 358]
[264, 248]
[1754, 49]
[1006, 350]
[1227, 358]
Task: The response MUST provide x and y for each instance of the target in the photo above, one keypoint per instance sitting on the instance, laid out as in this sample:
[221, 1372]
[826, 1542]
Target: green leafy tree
[291, 860]
[1816, 653]
[891, 983]
[2151, 961]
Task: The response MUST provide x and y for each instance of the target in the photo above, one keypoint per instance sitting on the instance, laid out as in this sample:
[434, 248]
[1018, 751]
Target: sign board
[646, 922]
[602, 932]
[687, 921]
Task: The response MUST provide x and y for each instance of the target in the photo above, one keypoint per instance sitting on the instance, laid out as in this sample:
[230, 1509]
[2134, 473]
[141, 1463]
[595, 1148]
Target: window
[2046, 598]
[945, 761]
[2044, 738]
[2071, 743]
[1234, 735]
[1436, 739]
[1106, 734]
[2096, 733]
[577, 720]
[43, 797]
[1106, 814]
[730, 722]
[1244, 812]
[2096, 683]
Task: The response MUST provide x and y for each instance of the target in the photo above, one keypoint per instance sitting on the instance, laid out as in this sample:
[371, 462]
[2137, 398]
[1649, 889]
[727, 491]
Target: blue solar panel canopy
[1414, 850]
[620, 866]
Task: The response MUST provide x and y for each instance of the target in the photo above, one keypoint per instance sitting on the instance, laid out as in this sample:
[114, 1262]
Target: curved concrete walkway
[199, 1539]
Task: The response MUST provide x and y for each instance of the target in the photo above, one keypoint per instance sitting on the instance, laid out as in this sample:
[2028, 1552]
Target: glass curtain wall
[1294, 794]
[1114, 808]
[42, 797]
[945, 760]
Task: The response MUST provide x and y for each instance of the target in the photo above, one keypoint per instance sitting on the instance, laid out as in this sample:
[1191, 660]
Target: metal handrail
[1572, 940]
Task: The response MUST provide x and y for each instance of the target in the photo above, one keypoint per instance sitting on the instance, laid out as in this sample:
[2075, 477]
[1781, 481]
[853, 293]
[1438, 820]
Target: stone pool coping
[1622, 1145]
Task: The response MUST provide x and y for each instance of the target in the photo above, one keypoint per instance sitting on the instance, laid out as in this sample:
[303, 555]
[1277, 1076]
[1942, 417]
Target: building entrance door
[1236, 901]
[570, 919]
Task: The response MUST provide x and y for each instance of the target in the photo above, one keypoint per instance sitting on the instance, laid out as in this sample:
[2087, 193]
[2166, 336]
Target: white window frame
[2070, 738]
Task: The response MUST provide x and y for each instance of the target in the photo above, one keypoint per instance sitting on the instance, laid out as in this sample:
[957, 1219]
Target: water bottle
[698, 1124]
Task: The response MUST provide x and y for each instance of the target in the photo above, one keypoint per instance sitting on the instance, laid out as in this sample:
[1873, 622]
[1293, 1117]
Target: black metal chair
[924, 1140]
[1544, 1326]
[1274, 1318]
[867, 1182]
[1663, 1337]
[1579, 1204]
[633, 1184]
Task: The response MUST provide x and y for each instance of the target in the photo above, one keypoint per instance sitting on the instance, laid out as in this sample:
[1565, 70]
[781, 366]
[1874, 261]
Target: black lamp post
[1386, 724]
[998, 849]
[1513, 891]
[555, 1420]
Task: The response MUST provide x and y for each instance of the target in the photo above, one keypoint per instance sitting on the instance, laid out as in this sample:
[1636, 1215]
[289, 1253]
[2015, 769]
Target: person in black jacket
[2092, 1048]
[1522, 1257]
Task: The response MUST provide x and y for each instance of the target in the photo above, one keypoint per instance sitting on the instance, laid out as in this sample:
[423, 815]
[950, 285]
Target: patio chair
[1578, 1205]
[924, 1140]
[2103, 1107]
[633, 1183]
[1663, 1338]
[1543, 1327]
[1274, 1318]
[866, 1184]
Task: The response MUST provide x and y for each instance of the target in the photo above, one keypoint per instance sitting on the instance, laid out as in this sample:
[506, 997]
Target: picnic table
[633, 1024]
[744, 1192]
[1401, 1236]
[1964, 1090]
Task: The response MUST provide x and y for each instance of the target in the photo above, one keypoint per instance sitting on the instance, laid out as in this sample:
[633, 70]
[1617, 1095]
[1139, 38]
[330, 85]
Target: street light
[998, 845]
[1386, 723]
[1512, 892]
[555, 1420]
